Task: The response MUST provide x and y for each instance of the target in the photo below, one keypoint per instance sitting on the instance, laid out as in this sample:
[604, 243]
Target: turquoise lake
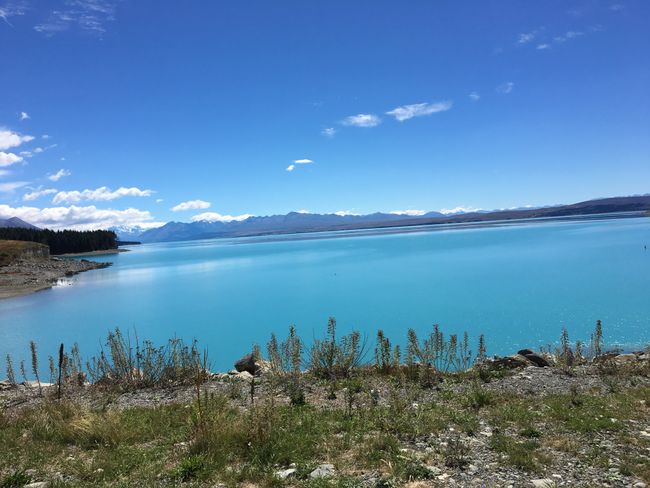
[518, 284]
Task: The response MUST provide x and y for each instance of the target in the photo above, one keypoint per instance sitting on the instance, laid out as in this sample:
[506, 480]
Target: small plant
[32, 347]
[595, 346]
[387, 359]
[285, 361]
[456, 452]
[331, 358]
[11, 375]
[189, 468]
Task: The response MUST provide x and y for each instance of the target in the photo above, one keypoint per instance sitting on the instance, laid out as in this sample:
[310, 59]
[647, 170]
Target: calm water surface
[517, 284]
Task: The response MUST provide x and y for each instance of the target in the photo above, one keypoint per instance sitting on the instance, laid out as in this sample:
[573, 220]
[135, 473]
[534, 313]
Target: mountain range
[295, 222]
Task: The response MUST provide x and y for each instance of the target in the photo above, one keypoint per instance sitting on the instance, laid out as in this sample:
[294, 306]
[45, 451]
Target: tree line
[64, 241]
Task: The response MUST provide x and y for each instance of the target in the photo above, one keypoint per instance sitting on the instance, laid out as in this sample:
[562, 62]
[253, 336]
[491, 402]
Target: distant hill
[295, 222]
[16, 222]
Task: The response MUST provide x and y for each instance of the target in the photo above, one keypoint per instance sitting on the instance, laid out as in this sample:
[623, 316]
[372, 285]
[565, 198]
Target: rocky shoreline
[28, 275]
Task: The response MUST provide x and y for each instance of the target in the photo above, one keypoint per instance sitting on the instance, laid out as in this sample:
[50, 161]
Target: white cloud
[362, 120]
[329, 132]
[303, 211]
[9, 139]
[34, 195]
[410, 213]
[456, 210]
[7, 159]
[216, 217]
[525, 38]
[191, 205]
[79, 218]
[543, 46]
[406, 112]
[46, 136]
[103, 194]
[23, 116]
[505, 88]
[159, 200]
[4, 172]
[292, 166]
[474, 96]
[59, 174]
[345, 213]
[11, 186]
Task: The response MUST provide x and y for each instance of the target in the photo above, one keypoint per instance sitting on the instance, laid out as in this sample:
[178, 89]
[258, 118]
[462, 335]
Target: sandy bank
[30, 275]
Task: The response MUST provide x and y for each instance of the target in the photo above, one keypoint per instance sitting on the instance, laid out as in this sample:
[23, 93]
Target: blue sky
[116, 112]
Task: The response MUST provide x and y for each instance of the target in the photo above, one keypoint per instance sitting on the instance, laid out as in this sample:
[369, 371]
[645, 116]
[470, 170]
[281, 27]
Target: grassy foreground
[433, 420]
[168, 445]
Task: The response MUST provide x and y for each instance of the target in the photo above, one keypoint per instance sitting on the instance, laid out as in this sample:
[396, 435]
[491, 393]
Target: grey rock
[323, 471]
[543, 483]
[37, 484]
[286, 473]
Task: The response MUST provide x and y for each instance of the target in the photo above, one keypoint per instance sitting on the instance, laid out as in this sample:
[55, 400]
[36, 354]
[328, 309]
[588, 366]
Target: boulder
[249, 364]
[509, 362]
[537, 360]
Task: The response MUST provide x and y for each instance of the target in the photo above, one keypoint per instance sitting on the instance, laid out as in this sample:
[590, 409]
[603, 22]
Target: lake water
[517, 284]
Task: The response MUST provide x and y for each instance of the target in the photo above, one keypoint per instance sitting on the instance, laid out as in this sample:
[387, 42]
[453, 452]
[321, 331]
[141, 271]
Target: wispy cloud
[362, 120]
[11, 186]
[36, 194]
[101, 194]
[475, 96]
[88, 15]
[567, 36]
[526, 37]
[410, 212]
[291, 167]
[80, 218]
[328, 132]
[505, 88]
[24, 116]
[191, 205]
[543, 46]
[12, 9]
[59, 174]
[217, 217]
[406, 112]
